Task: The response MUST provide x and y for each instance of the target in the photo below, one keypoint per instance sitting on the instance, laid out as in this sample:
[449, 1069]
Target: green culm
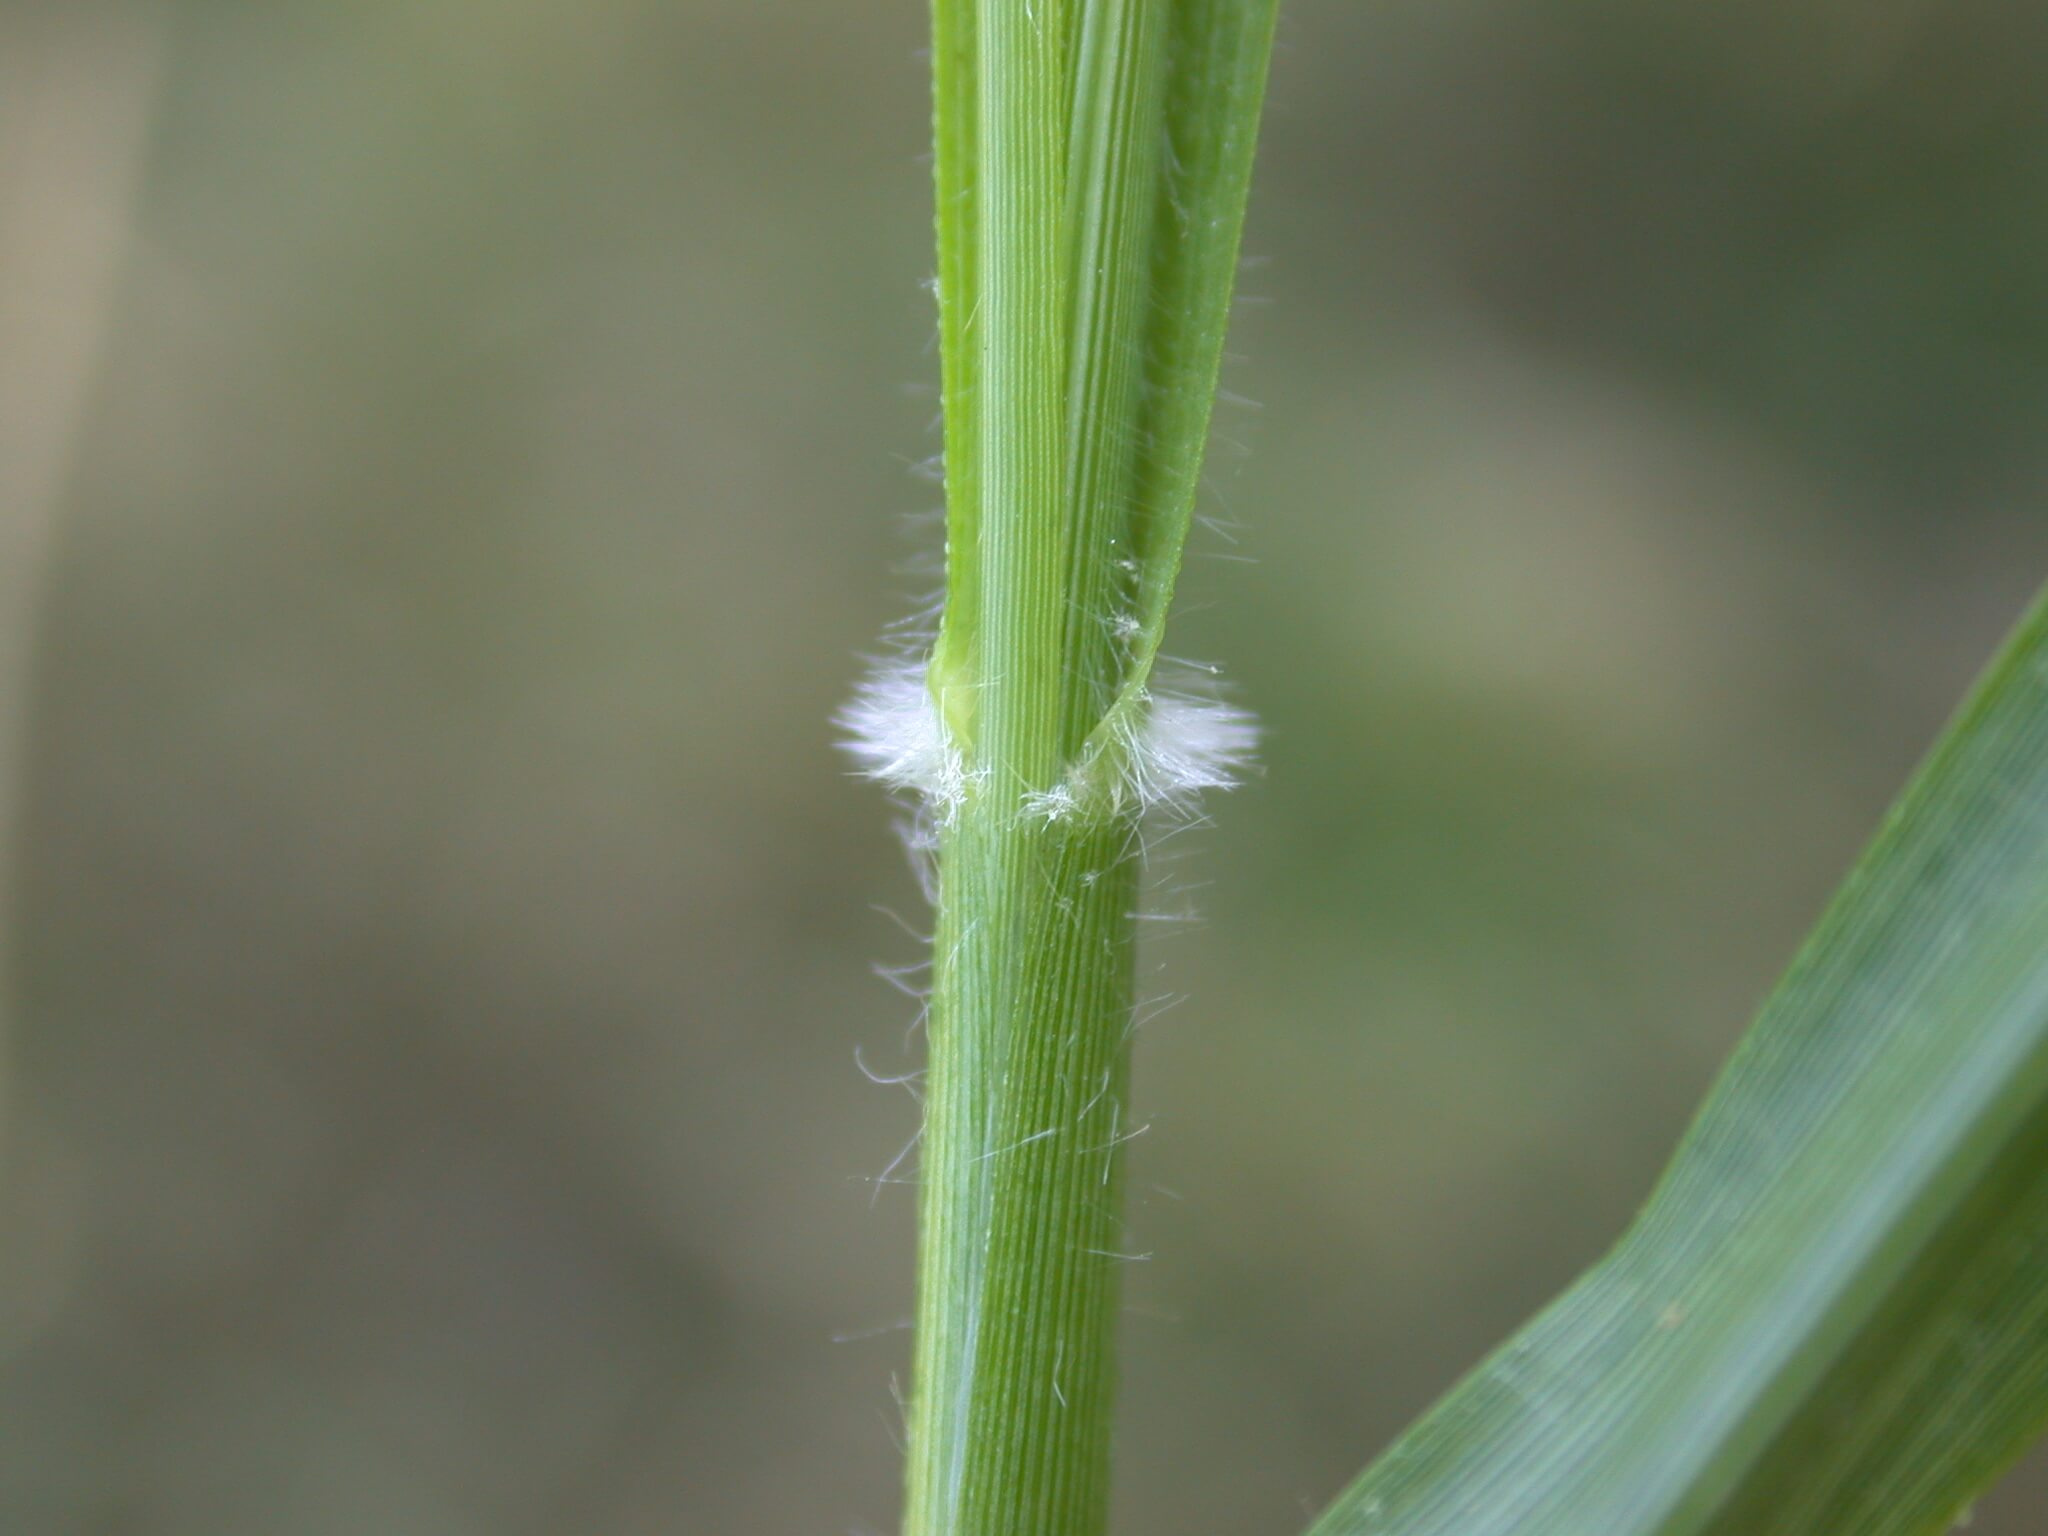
[1092, 161]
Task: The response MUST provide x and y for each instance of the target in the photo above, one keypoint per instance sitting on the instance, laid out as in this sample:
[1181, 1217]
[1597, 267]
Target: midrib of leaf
[1052, 126]
[1833, 1314]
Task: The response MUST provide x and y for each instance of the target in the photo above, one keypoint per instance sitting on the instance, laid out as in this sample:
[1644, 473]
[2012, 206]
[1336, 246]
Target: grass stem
[1086, 244]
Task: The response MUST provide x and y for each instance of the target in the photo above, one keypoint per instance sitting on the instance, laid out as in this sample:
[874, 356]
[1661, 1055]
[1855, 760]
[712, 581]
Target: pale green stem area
[1081, 316]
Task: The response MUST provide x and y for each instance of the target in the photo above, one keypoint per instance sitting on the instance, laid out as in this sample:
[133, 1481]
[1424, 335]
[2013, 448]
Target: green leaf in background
[1831, 1319]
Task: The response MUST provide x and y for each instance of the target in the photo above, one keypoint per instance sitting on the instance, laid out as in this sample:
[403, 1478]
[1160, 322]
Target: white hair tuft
[1174, 746]
[895, 733]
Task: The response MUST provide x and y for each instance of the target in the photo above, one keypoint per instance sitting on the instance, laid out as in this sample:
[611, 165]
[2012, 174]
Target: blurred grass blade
[78, 93]
[1832, 1317]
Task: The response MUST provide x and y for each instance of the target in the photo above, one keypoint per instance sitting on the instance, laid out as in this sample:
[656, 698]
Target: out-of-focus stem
[77, 86]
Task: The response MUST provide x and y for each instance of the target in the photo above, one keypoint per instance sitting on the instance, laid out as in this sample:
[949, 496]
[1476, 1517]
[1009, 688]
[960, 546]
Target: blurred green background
[454, 455]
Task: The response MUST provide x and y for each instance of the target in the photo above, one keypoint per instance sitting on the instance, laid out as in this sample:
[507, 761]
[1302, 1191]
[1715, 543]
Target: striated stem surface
[1091, 163]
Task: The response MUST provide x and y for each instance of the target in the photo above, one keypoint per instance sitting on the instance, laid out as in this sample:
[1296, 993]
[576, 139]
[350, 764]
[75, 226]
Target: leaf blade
[1853, 1232]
